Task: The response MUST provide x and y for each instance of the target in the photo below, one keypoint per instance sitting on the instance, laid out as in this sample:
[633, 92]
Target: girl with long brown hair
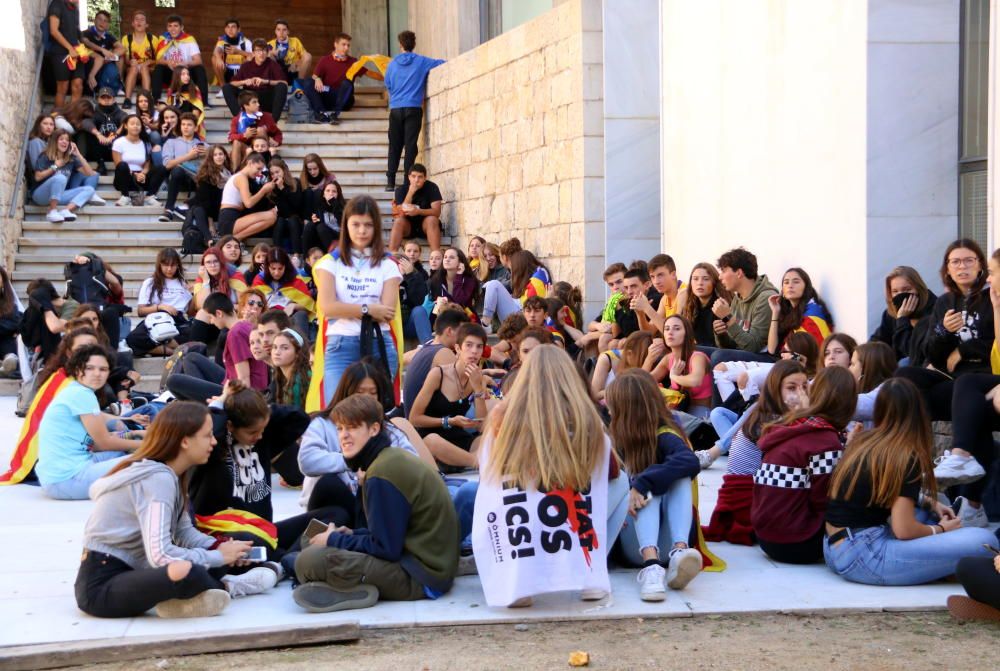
[797, 308]
[529, 277]
[64, 180]
[799, 454]
[141, 550]
[166, 291]
[907, 302]
[885, 474]
[685, 368]
[695, 302]
[346, 303]
[661, 466]
[633, 354]
[785, 390]
[292, 370]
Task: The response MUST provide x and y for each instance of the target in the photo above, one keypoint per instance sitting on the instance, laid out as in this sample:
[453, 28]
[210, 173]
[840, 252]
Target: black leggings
[126, 183]
[196, 378]
[108, 587]
[980, 579]
[288, 229]
[318, 235]
[973, 421]
[936, 388]
[331, 492]
[805, 552]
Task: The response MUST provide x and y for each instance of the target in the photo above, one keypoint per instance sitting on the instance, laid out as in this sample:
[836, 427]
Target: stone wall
[515, 139]
[18, 46]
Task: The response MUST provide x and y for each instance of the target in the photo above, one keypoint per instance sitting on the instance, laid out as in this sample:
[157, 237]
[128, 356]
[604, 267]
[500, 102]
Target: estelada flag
[167, 41]
[230, 521]
[26, 452]
[295, 291]
[315, 397]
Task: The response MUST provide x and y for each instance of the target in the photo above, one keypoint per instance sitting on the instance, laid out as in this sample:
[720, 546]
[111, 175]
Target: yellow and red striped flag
[26, 451]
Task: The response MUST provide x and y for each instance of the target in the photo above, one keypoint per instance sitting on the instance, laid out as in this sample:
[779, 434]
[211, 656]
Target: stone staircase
[128, 238]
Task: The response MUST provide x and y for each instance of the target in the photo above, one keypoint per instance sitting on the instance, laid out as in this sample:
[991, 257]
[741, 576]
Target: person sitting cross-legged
[409, 550]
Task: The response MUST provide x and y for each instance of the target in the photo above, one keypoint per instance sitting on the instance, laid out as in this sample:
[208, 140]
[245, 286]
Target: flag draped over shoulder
[815, 322]
[235, 285]
[26, 451]
[315, 397]
[166, 41]
[378, 60]
[231, 521]
[696, 539]
[295, 291]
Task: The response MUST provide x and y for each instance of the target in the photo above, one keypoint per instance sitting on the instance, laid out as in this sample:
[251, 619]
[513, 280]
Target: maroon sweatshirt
[790, 488]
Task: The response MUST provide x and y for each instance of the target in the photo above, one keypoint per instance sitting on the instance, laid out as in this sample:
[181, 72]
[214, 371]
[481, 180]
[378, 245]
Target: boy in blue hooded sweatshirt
[406, 81]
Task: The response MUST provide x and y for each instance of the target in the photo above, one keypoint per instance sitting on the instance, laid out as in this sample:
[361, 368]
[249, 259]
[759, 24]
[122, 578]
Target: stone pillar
[445, 28]
[367, 22]
[993, 114]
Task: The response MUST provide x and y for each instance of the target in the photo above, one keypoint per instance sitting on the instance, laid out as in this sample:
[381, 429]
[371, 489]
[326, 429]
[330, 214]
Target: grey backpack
[299, 110]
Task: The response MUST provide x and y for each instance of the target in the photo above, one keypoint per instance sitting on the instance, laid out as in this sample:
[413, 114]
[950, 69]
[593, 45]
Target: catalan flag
[296, 291]
[315, 397]
[26, 451]
[538, 284]
[167, 41]
[231, 521]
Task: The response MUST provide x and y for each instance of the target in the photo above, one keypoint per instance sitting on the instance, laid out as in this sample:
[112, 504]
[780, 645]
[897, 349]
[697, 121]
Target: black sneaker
[319, 118]
[320, 597]
[335, 120]
[126, 104]
[390, 187]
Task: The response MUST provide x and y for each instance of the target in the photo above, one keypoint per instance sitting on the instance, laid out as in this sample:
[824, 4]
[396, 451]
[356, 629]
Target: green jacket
[751, 321]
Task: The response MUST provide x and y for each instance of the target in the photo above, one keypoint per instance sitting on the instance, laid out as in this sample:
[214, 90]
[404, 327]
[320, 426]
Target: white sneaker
[96, 200]
[952, 469]
[487, 326]
[67, 215]
[218, 94]
[684, 566]
[123, 346]
[971, 517]
[207, 604]
[650, 581]
[592, 594]
[151, 201]
[256, 580]
[54, 217]
[124, 201]
[705, 459]
[182, 207]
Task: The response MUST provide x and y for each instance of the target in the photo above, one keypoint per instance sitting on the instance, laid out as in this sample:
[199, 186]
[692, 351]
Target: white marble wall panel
[912, 139]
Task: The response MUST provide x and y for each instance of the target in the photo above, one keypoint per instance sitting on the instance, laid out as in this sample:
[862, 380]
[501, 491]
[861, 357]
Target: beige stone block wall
[515, 138]
[18, 46]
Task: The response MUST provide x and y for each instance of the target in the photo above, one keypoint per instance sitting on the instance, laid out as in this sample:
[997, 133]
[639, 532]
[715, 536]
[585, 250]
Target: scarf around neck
[363, 459]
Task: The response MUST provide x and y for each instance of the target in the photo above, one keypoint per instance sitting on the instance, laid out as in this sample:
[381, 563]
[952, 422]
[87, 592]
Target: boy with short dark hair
[176, 49]
[536, 314]
[182, 156]
[332, 92]
[105, 51]
[246, 126]
[418, 208]
[409, 550]
[139, 56]
[64, 56]
[663, 276]
[289, 53]
[626, 320]
[261, 75]
[742, 326]
[231, 51]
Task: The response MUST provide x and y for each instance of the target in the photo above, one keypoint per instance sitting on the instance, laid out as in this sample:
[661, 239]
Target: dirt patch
[874, 642]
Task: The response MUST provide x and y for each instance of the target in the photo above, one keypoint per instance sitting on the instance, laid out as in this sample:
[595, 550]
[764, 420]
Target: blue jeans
[661, 523]
[341, 352]
[465, 502]
[874, 556]
[498, 302]
[77, 488]
[617, 506]
[418, 325]
[726, 423]
[78, 189]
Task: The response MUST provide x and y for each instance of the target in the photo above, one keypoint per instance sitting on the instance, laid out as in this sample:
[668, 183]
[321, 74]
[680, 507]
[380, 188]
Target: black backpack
[192, 241]
[85, 282]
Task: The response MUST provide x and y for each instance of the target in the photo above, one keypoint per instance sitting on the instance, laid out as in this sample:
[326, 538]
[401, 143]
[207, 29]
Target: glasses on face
[968, 261]
[255, 304]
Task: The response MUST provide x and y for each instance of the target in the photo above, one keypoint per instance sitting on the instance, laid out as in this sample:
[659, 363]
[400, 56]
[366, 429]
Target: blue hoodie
[406, 79]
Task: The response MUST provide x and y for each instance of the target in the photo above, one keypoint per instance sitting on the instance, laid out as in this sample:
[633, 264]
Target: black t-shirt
[416, 373]
[69, 24]
[858, 513]
[627, 320]
[105, 42]
[425, 195]
[704, 334]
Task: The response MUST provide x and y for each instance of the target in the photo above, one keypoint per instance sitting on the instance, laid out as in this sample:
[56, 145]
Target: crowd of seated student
[829, 441]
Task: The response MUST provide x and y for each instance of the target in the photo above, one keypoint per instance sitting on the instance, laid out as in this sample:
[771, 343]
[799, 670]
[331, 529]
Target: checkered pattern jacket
[790, 487]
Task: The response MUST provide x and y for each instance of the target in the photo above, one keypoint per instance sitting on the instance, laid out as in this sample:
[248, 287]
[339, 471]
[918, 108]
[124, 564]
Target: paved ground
[42, 542]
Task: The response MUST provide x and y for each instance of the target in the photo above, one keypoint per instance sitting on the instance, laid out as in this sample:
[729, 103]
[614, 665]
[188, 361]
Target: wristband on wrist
[445, 424]
[934, 530]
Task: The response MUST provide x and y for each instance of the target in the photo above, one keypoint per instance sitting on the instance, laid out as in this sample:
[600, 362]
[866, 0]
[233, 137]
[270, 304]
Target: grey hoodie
[139, 517]
[751, 321]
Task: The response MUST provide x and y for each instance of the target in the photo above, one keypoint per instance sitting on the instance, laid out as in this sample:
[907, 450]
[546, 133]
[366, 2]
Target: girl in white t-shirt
[358, 279]
[166, 291]
[134, 169]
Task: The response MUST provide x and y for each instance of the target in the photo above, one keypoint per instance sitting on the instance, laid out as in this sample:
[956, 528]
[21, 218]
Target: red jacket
[266, 122]
[790, 488]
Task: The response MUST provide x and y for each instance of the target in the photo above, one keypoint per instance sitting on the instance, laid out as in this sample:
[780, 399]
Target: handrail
[39, 60]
